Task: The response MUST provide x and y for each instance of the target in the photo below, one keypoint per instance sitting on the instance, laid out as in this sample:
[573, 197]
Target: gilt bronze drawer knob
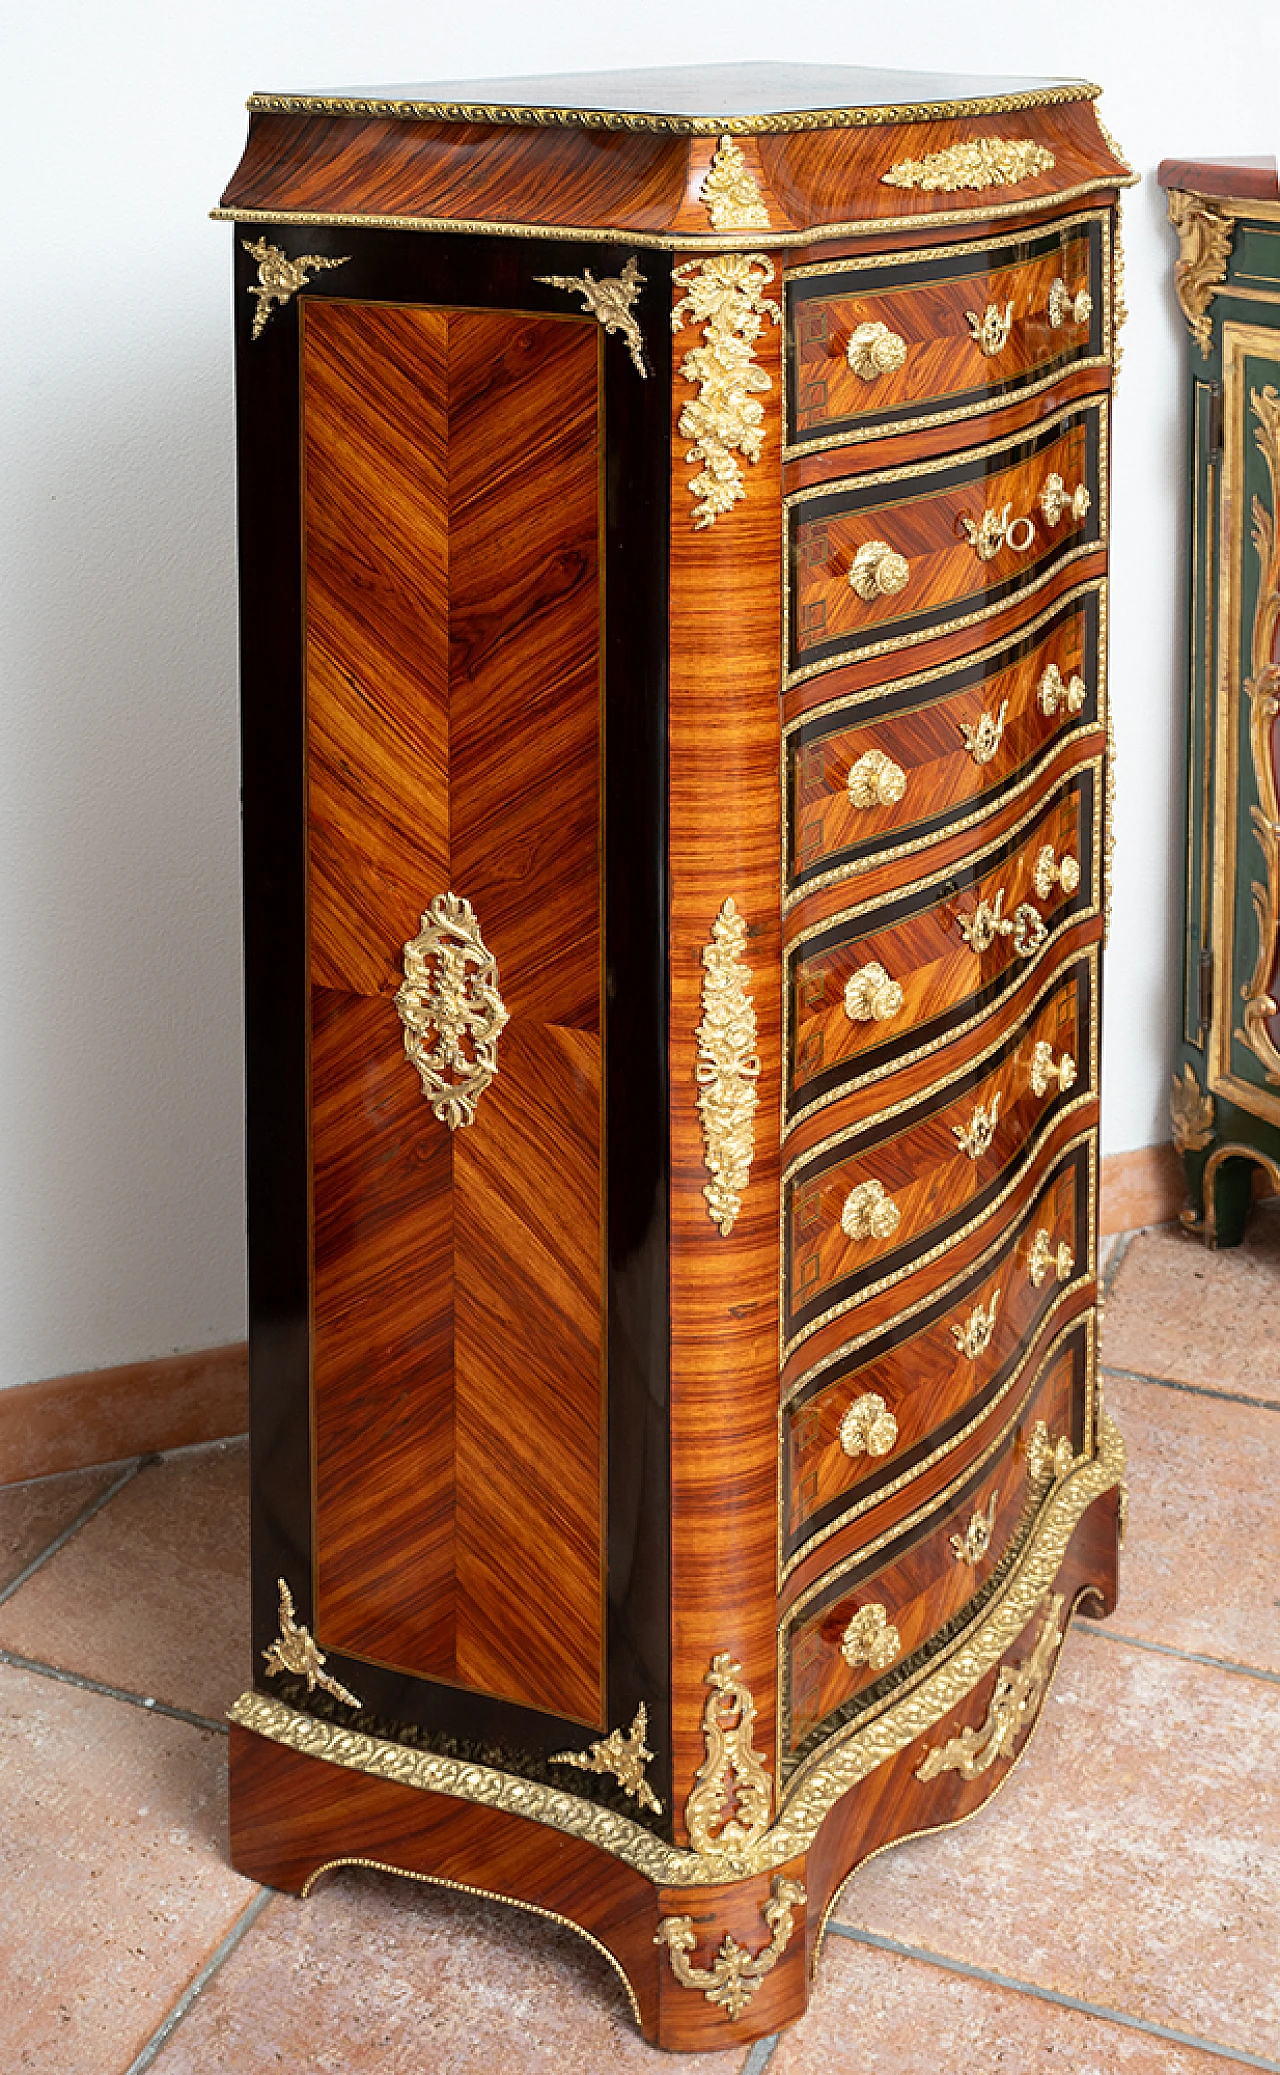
[870, 996]
[879, 571]
[1043, 1256]
[871, 1638]
[1054, 500]
[991, 330]
[1044, 1070]
[1062, 304]
[876, 781]
[868, 1427]
[1049, 872]
[875, 350]
[870, 1212]
[1052, 692]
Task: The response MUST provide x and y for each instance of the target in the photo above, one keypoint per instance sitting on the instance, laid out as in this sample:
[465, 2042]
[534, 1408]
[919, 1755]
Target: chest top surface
[703, 99]
[830, 150]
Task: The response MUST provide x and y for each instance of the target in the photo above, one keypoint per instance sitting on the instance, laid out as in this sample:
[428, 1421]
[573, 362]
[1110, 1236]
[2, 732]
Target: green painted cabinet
[1225, 1105]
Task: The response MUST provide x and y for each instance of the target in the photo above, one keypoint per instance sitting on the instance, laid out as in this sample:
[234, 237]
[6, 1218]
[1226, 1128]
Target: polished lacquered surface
[714, 91]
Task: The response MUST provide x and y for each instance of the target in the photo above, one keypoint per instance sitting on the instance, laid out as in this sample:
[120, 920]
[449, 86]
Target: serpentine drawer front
[898, 1404]
[893, 559]
[951, 950]
[876, 774]
[676, 827]
[864, 1624]
[887, 343]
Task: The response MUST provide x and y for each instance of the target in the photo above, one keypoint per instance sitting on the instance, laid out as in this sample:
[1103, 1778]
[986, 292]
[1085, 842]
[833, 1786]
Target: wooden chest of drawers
[675, 723]
[1226, 1086]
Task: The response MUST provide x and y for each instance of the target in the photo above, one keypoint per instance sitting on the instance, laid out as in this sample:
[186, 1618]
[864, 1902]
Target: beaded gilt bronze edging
[815, 1792]
[362, 106]
[682, 241]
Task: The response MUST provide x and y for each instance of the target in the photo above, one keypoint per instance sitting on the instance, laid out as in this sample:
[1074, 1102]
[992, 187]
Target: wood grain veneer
[924, 522]
[724, 746]
[452, 642]
[521, 671]
[931, 1389]
[377, 166]
[928, 305]
[921, 729]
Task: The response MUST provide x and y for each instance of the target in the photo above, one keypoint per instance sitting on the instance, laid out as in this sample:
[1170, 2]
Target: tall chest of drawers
[1225, 1107]
[673, 544]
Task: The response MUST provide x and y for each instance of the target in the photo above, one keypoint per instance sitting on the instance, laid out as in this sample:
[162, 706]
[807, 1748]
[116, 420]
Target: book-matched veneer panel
[529, 1379]
[834, 1666]
[724, 839]
[376, 573]
[383, 1415]
[951, 743]
[1015, 494]
[937, 1372]
[525, 438]
[454, 675]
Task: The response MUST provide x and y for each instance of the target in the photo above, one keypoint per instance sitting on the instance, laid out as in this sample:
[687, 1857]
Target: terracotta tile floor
[1114, 1911]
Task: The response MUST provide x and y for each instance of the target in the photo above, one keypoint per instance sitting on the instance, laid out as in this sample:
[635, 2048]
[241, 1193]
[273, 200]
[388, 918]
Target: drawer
[885, 560]
[893, 1406]
[869, 1626]
[876, 1202]
[878, 985]
[878, 774]
[894, 341]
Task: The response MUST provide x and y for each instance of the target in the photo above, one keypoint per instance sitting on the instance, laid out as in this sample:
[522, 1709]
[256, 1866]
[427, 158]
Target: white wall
[121, 1218]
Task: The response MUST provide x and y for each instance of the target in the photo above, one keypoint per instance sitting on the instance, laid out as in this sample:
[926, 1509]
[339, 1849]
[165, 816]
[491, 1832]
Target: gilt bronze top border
[383, 106]
[683, 241]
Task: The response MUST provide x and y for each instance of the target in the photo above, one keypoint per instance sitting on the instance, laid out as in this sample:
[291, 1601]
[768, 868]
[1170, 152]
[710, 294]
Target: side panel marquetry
[887, 560]
[451, 529]
[934, 304]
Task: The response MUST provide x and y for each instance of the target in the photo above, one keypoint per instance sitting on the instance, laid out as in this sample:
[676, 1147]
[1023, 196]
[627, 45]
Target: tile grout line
[1219, 1664]
[1238, 2054]
[145, 1701]
[157, 1455]
[760, 2055]
[1194, 1390]
[1124, 1240]
[73, 1527]
[169, 2025]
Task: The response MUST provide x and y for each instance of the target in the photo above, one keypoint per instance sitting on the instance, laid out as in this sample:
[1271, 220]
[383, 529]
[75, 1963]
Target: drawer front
[878, 985]
[891, 342]
[887, 1408]
[871, 1205]
[874, 776]
[886, 560]
[872, 1623]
